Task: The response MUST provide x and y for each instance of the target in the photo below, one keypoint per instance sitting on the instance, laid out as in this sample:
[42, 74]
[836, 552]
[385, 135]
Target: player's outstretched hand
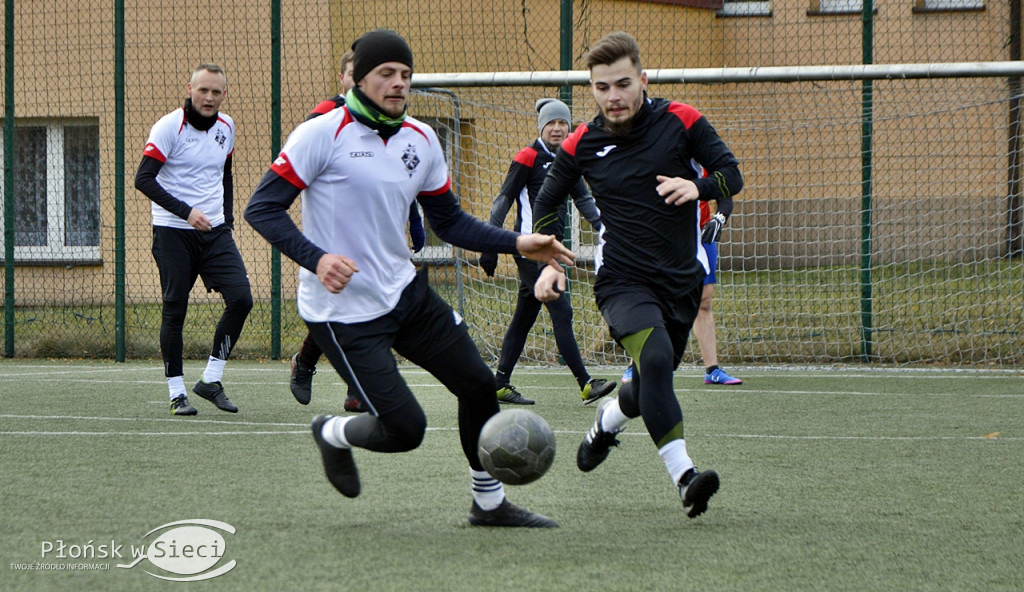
[335, 271]
[550, 285]
[544, 248]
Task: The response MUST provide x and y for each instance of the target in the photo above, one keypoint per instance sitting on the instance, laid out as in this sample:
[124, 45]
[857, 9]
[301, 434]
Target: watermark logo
[190, 549]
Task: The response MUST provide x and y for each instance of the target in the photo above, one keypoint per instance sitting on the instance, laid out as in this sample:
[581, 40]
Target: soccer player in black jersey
[637, 156]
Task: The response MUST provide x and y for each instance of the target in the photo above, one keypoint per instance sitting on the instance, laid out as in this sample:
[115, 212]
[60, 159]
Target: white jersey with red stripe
[357, 190]
[193, 169]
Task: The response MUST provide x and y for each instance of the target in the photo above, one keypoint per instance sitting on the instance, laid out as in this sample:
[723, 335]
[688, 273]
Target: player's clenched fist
[335, 271]
[676, 190]
[550, 284]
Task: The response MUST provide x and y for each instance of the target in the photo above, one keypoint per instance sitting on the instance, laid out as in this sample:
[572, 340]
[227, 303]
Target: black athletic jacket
[646, 240]
[527, 172]
[326, 106]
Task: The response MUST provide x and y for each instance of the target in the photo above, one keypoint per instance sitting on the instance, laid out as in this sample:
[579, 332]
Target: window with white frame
[56, 192]
[839, 6]
[937, 5]
[745, 8]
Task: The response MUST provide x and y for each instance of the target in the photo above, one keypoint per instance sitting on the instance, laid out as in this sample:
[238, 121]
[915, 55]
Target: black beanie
[377, 47]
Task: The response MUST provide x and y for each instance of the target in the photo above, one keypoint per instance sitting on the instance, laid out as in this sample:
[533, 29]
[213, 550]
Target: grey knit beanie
[549, 110]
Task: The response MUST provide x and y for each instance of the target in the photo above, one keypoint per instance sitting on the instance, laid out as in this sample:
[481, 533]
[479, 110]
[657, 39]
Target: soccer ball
[517, 446]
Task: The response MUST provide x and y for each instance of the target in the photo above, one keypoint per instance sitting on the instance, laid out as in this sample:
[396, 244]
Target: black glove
[713, 228]
[489, 262]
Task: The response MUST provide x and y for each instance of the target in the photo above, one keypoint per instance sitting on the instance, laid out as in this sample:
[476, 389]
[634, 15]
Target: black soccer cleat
[180, 406]
[595, 389]
[508, 514]
[214, 393]
[339, 465]
[695, 489]
[301, 382]
[596, 444]
[509, 394]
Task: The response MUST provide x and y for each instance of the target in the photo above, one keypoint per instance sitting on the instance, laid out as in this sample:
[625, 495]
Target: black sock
[711, 369]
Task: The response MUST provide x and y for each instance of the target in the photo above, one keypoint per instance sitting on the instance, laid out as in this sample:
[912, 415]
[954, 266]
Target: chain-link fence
[86, 80]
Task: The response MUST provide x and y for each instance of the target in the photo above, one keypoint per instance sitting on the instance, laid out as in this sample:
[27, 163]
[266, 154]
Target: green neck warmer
[367, 113]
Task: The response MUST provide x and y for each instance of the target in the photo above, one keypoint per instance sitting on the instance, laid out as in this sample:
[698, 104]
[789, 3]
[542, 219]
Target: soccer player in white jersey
[359, 168]
[186, 172]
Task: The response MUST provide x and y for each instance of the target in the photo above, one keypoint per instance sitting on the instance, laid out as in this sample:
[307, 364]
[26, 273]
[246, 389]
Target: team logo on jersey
[411, 159]
[220, 138]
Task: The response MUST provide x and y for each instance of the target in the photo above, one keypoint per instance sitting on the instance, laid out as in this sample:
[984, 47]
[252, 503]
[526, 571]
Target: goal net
[880, 219]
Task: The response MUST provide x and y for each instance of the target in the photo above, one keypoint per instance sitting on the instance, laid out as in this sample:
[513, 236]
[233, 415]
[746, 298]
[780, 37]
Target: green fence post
[1015, 205]
[275, 147]
[9, 178]
[565, 93]
[867, 107]
[119, 214]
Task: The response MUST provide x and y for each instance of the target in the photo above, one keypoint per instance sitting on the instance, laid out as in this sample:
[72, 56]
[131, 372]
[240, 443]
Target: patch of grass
[831, 480]
[923, 313]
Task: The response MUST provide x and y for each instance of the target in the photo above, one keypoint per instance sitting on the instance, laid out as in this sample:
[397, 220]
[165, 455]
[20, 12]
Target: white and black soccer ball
[517, 446]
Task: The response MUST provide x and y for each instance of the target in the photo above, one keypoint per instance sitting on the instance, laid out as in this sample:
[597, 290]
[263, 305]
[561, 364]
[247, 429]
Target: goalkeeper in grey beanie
[523, 182]
[549, 110]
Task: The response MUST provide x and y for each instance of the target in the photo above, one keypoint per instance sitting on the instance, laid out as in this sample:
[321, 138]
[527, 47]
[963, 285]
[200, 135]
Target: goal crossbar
[731, 75]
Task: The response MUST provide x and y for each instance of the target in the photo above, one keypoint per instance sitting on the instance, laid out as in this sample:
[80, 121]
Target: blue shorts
[712, 252]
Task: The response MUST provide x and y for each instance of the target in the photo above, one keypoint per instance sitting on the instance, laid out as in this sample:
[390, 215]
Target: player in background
[636, 156]
[704, 324]
[523, 181]
[186, 173]
[358, 169]
[304, 361]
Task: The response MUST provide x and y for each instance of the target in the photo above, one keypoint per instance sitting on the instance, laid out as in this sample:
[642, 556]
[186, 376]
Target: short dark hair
[346, 59]
[612, 48]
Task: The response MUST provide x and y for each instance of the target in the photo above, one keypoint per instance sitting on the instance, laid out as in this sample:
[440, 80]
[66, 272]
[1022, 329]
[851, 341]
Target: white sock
[333, 431]
[176, 386]
[487, 491]
[214, 370]
[612, 418]
[676, 460]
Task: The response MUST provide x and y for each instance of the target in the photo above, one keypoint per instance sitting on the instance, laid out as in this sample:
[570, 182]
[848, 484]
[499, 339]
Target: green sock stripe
[676, 433]
[634, 345]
